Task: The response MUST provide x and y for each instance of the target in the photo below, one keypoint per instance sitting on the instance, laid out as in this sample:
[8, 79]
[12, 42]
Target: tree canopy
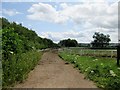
[68, 43]
[100, 40]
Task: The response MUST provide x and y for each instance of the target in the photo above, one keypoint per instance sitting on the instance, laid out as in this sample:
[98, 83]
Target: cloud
[46, 12]
[89, 16]
[81, 36]
[56, 36]
[10, 12]
[98, 14]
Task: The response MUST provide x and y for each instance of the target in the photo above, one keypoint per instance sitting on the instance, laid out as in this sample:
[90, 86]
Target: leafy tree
[100, 40]
[68, 43]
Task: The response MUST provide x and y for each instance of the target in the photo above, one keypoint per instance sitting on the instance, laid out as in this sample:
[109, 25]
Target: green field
[92, 52]
[102, 70]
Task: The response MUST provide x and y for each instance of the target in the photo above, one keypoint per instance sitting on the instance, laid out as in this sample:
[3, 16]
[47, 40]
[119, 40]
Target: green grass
[92, 52]
[16, 68]
[103, 71]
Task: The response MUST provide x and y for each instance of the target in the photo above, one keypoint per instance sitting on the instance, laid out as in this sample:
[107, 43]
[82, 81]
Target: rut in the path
[52, 72]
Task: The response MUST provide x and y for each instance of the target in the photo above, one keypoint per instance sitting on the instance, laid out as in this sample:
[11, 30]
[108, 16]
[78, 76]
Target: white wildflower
[11, 52]
[75, 57]
[92, 71]
[9, 79]
[74, 61]
[87, 69]
[118, 68]
[112, 73]
[96, 59]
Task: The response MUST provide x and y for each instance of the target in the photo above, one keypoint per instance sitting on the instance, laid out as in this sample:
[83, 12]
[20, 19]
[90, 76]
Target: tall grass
[103, 71]
[17, 67]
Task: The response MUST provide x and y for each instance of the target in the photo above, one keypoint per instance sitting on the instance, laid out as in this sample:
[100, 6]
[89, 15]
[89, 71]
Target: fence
[92, 52]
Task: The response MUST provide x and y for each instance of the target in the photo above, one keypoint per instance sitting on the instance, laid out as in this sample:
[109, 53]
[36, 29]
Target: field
[102, 70]
[92, 52]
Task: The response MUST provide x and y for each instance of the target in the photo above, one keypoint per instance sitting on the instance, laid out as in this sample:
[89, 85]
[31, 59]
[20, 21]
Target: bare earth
[52, 72]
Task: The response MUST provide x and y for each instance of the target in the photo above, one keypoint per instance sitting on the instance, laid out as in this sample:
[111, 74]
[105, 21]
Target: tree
[68, 43]
[100, 40]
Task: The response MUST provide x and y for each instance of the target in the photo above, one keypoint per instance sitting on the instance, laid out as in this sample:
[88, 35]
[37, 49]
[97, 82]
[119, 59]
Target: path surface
[52, 72]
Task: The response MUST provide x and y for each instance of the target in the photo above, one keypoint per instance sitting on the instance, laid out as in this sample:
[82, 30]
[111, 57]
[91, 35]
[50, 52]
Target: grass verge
[17, 67]
[103, 71]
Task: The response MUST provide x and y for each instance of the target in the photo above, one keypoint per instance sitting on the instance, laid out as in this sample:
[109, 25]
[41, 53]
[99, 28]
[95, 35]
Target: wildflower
[92, 71]
[112, 73]
[75, 57]
[118, 68]
[96, 59]
[74, 61]
[101, 64]
[11, 52]
[9, 79]
[87, 69]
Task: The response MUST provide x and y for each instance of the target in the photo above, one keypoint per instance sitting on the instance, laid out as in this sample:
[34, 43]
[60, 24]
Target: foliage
[28, 37]
[100, 40]
[17, 67]
[19, 51]
[103, 71]
[68, 43]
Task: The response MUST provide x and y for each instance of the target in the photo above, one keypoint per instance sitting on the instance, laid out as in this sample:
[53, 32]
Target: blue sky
[62, 20]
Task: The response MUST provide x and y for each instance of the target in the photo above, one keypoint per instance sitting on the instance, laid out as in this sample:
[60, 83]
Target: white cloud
[99, 14]
[46, 12]
[81, 36]
[91, 17]
[10, 12]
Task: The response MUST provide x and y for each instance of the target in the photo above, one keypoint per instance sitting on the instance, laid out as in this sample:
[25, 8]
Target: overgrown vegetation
[103, 71]
[17, 67]
[20, 51]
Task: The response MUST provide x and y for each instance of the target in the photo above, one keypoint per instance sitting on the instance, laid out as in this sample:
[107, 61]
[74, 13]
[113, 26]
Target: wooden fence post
[118, 54]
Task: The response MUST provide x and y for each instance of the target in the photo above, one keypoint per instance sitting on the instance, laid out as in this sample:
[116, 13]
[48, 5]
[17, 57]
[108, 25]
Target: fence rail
[92, 52]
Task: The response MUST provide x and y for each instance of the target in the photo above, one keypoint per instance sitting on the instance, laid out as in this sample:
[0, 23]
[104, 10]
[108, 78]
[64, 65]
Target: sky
[58, 20]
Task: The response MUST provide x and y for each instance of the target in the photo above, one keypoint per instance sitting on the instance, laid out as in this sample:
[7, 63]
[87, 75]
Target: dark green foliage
[100, 40]
[19, 51]
[68, 43]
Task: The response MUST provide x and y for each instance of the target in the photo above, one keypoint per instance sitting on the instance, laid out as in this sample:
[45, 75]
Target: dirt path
[52, 72]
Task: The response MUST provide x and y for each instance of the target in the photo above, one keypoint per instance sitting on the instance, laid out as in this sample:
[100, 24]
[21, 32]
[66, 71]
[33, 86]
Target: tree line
[100, 41]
